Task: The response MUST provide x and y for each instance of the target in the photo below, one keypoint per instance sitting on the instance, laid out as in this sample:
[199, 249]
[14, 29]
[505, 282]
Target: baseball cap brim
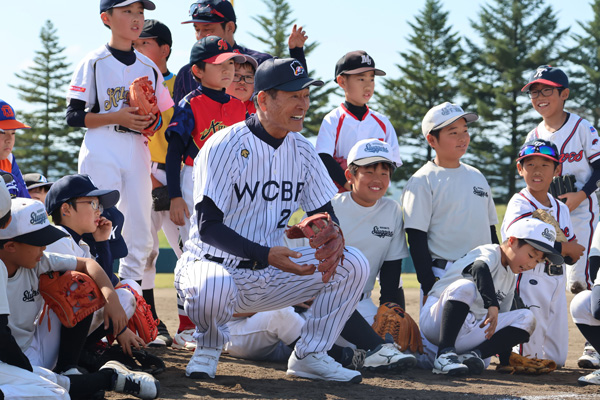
[37, 185]
[544, 81]
[221, 58]
[550, 252]
[213, 19]
[108, 198]
[297, 84]
[378, 72]
[13, 124]
[363, 162]
[539, 155]
[43, 237]
[469, 117]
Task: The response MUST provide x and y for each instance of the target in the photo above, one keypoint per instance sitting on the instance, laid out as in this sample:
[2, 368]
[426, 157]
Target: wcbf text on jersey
[271, 190]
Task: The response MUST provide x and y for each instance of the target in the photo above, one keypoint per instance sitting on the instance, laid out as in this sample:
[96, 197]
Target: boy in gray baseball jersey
[467, 313]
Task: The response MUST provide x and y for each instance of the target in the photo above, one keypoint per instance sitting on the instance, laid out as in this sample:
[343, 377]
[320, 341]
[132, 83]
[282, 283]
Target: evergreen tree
[516, 36]
[277, 26]
[427, 78]
[584, 79]
[50, 146]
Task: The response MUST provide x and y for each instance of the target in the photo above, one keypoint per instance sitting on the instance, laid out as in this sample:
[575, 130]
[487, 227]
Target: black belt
[161, 166]
[248, 264]
[440, 263]
[553, 269]
[123, 129]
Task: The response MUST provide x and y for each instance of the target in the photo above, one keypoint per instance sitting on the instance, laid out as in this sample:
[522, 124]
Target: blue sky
[379, 27]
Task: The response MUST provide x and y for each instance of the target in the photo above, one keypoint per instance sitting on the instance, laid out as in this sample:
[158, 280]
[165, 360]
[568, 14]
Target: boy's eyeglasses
[205, 9]
[94, 203]
[546, 92]
[545, 150]
[249, 79]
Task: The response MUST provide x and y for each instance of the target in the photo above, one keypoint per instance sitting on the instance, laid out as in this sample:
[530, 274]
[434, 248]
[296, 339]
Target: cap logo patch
[365, 59]
[548, 235]
[451, 109]
[222, 44]
[538, 144]
[376, 148]
[38, 218]
[539, 72]
[7, 111]
[297, 68]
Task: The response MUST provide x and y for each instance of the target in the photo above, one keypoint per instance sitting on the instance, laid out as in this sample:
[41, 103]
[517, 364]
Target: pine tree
[277, 26]
[516, 36]
[427, 78]
[50, 146]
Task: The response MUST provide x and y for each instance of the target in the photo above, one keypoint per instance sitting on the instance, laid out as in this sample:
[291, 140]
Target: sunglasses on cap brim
[205, 9]
[543, 149]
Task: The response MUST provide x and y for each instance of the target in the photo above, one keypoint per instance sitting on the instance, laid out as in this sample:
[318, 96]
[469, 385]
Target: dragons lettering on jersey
[114, 96]
[287, 190]
[214, 126]
[29, 296]
[571, 157]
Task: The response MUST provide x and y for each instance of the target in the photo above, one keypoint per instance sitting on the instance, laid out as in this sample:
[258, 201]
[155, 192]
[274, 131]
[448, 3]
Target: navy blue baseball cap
[356, 62]
[286, 74]
[71, 186]
[214, 50]
[548, 76]
[210, 12]
[106, 5]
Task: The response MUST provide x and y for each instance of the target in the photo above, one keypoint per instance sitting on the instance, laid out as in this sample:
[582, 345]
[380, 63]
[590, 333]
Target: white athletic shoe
[203, 363]
[322, 367]
[388, 356]
[590, 379]
[139, 384]
[184, 340]
[590, 358]
[473, 361]
[448, 364]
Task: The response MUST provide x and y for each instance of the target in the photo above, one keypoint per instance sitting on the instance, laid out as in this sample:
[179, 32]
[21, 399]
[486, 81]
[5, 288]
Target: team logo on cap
[38, 218]
[245, 153]
[376, 148]
[539, 72]
[548, 235]
[7, 111]
[451, 109]
[365, 59]
[297, 67]
[222, 44]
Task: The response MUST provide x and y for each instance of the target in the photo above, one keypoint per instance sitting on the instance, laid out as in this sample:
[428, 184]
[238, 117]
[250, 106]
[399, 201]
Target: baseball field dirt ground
[239, 379]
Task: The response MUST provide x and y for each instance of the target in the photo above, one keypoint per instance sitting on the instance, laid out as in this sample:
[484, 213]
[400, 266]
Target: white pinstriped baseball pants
[212, 292]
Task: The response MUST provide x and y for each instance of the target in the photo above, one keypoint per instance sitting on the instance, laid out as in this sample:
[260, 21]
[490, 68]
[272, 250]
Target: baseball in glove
[141, 95]
[72, 295]
[160, 199]
[392, 319]
[142, 323]
[561, 185]
[519, 364]
[324, 235]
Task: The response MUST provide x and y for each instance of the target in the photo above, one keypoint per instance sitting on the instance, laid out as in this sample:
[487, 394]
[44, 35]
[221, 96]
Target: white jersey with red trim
[341, 130]
[537, 288]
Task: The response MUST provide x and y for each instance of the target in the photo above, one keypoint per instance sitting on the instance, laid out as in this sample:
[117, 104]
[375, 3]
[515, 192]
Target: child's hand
[297, 38]
[103, 231]
[129, 339]
[179, 211]
[573, 250]
[573, 199]
[115, 313]
[128, 118]
[492, 320]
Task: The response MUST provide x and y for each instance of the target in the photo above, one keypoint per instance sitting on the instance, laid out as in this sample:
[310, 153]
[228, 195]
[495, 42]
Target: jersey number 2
[285, 214]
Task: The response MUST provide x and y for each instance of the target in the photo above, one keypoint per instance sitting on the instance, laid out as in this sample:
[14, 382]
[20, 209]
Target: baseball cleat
[353, 358]
[473, 361]
[590, 379]
[184, 340]
[321, 367]
[163, 338]
[388, 356]
[203, 363]
[448, 364]
[590, 358]
[139, 384]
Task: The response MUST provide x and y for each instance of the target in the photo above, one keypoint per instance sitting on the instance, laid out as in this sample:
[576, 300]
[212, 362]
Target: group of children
[473, 284]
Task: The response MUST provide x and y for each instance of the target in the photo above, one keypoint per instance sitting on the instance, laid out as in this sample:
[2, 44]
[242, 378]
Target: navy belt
[248, 264]
[123, 129]
[553, 269]
[161, 166]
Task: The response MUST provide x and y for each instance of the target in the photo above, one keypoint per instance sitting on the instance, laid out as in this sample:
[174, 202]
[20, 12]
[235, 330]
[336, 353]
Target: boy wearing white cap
[467, 313]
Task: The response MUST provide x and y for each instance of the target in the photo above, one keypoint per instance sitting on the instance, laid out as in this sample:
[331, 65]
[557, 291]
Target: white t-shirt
[503, 277]
[454, 206]
[376, 231]
[67, 245]
[24, 295]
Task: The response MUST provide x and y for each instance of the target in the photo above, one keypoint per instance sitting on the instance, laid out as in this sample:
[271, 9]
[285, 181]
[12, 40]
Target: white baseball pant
[20, 384]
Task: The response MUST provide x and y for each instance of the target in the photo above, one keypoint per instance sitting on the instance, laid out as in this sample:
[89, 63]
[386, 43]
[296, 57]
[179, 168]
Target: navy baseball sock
[148, 295]
[594, 267]
[502, 341]
[358, 332]
[71, 344]
[453, 316]
[591, 334]
[84, 386]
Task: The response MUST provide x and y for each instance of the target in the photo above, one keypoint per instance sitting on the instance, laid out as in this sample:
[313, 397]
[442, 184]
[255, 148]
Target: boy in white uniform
[542, 289]
[115, 151]
[467, 313]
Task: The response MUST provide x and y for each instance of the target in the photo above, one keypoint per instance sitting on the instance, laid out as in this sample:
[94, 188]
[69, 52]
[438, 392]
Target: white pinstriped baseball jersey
[256, 186]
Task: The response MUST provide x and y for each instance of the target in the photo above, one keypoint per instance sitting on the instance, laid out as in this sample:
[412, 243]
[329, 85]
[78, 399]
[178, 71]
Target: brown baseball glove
[142, 323]
[141, 95]
[519, 364]
[324, 235]
[392, 319]
[72, 295]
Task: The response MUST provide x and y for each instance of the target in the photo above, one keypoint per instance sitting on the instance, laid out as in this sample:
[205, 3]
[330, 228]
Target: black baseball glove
[562, 184]
[160, 199]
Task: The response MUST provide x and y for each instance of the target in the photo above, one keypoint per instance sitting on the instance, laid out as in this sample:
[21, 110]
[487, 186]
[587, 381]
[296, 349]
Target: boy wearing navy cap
[353, 121]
